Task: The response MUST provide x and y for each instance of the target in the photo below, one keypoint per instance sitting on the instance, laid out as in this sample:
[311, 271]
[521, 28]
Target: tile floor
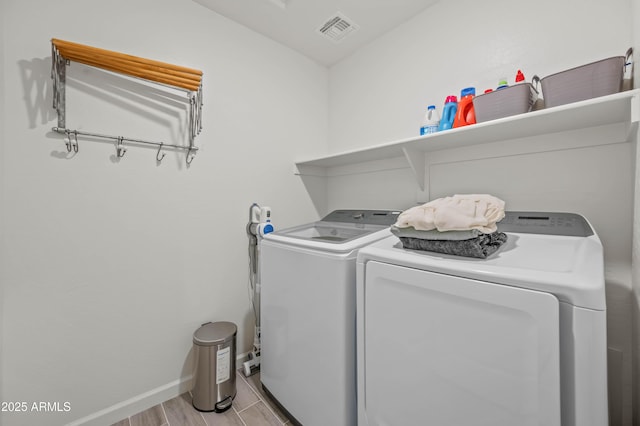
[251, 407]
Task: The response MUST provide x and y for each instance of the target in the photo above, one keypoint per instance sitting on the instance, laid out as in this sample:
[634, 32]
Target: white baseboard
[134, 405]
[241, 358]
[142, 402]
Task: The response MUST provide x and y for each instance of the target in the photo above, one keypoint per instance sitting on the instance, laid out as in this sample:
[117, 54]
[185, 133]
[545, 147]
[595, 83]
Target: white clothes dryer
[308, 314]
[518, 338]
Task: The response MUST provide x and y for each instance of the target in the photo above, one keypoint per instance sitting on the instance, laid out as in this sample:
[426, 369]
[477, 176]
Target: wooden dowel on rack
[161, 72]
[117, 63]
[189, 85]
[108, 53]
[124, 68]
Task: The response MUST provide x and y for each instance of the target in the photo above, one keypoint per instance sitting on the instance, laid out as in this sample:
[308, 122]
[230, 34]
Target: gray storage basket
[600, 78]
[505, 102]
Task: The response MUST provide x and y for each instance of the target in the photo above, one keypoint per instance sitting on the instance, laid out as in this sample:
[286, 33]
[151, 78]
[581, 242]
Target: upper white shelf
[623, 107]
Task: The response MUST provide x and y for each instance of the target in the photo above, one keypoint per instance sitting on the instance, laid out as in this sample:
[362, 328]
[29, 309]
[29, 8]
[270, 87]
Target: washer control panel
[546, 223]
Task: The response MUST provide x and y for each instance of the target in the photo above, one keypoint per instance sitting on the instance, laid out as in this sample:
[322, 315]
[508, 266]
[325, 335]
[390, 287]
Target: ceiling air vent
[337, 27]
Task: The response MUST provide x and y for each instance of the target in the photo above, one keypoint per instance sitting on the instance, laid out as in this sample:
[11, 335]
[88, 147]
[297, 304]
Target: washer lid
[329, 237]
[569, 267]
[373, 217]
[339, 231]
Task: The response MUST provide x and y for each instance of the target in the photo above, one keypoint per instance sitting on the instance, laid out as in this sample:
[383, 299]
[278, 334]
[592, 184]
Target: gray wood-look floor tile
[228, 418]
[245, 395]
[180, 412]
[251, 407]
[154, 416]
[259, 415]
[254, 382]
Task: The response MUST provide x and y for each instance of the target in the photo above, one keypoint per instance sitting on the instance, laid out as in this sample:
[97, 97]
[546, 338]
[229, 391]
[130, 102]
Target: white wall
[636, 239]
[2, 245]
[110, 266]
[380, 94]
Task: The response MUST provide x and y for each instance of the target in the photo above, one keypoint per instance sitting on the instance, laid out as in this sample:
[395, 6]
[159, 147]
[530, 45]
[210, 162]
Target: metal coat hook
[190, 154]
[158, 157]
[67, 140]
[120, 149]
[72, 144]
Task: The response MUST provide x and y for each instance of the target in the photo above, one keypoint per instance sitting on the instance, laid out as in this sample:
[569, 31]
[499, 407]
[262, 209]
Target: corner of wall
[635, 286]
[2, 138]
[635, 250]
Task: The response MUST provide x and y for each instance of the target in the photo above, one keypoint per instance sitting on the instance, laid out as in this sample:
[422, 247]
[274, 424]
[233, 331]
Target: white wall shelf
[623, 107]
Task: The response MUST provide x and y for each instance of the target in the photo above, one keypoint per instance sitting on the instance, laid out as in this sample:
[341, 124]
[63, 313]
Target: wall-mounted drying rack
[187, 79]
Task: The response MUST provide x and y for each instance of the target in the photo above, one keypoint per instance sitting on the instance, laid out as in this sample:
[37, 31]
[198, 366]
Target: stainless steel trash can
[214, 387]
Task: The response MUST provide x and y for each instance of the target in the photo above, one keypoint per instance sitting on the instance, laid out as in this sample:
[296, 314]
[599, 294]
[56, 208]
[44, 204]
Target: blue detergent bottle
[448, 113]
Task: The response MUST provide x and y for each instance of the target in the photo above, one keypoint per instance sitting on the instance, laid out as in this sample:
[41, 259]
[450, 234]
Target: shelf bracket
[417, 162]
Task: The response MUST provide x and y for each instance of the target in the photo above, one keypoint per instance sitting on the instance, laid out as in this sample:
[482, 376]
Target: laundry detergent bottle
[431, 121]
[448, 113]
[465, 114]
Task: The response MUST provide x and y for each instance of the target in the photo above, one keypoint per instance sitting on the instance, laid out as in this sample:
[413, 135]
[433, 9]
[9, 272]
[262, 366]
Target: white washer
[518, 338]
[308, 304]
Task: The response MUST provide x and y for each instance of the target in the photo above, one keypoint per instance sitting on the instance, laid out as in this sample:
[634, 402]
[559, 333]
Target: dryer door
[444, 350]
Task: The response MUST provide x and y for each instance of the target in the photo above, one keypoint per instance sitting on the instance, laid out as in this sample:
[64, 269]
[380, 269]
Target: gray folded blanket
[434, 234]
[480, 246]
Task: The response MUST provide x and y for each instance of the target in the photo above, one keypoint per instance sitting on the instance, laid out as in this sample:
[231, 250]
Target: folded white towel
[458, 213]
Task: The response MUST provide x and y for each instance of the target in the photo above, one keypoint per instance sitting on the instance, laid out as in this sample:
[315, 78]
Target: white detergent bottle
[431, 121]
